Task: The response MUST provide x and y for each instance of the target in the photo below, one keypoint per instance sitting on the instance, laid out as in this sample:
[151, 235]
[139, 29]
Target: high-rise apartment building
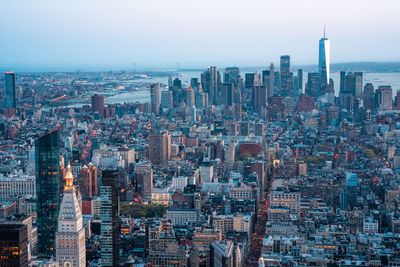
[11, 98]
[87, 180]
[155, 98]
[70, 236]
[47, 191]
[144, 180]
[98, 104]
[109, 216]
[159, 148]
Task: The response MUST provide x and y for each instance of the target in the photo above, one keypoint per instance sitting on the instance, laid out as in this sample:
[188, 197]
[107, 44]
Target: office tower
[232, 75]
[300, 81]
[13, 244]
[144, 180]
[353, 84]
[109, 216]
[176, 92]
[324, 60]
[369, 96]
[87, 180]
[266, 82]
[228, 93]
[286, 83]
[250, 79]
[70, 236]
[260, 97]
[11, 98]
[265, 77]
[160, 148]
[384, 97]
[201, 99]
[155, 98]
[190, 99]
[271, 79]
[98, 104]
[211, 84]
[47, 191]
[166, 100]
[285, 64]
[342, 81]
[194, 83]
[313, 84]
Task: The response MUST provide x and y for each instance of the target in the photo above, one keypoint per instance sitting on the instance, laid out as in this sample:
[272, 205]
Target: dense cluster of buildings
[261, 169]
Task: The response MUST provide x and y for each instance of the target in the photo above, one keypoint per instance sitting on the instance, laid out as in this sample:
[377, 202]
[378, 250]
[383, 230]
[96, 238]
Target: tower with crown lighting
[70, 236]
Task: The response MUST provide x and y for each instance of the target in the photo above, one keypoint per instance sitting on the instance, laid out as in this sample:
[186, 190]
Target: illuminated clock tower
[70, 236]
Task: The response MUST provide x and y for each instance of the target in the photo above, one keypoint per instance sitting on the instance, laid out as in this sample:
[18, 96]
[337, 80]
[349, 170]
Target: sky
[161, 33]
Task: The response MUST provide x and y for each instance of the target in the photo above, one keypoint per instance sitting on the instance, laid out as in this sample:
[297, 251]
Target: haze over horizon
[161, 33]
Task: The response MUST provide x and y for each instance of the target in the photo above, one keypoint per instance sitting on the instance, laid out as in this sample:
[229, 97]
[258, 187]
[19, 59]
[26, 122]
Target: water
[143, 96]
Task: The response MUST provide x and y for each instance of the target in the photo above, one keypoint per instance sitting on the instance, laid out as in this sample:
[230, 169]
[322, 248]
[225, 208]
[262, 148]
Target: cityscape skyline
[251, 33]
[214, 165]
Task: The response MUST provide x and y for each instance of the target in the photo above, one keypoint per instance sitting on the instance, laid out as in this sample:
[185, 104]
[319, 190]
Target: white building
[370, 225]
[179, 183]
[206, 172]
[70, 236]
[181, 217]
[17, 184]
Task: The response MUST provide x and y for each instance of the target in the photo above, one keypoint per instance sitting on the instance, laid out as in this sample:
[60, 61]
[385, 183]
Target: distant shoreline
[376, 67]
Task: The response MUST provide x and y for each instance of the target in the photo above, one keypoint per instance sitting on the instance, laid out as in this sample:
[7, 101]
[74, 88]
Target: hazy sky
[195, 33]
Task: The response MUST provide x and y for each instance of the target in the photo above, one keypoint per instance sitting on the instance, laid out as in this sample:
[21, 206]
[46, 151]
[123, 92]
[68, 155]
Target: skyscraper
[211, 83]
[70, 236]
[260, 97]
[232, 75]
[300, 75]
[228, 93]
[98, 104]
[144, 180]
[155, 98]
[11, 98]
[13, 244]
[324, 60]
[271, 80]
[286, 76]
[87, 180]
[160, 148]
[47, 191]
[109, 216]
[384, 97]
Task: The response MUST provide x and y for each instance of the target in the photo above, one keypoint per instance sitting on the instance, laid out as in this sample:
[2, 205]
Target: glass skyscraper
[47, 191]
[324, 59]
[109, 216]
[11, 99]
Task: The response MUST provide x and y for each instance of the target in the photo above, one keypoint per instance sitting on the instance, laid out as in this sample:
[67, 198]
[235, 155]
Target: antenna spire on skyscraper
[324, 30]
